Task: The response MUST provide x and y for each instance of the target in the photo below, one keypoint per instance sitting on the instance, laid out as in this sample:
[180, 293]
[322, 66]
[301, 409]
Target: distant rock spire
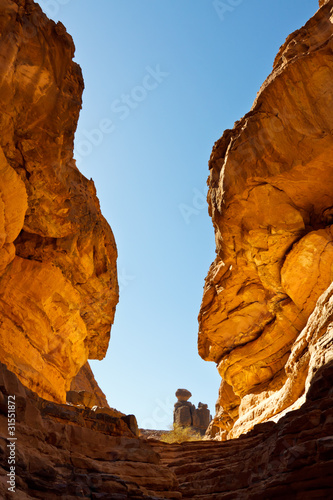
[186, 414]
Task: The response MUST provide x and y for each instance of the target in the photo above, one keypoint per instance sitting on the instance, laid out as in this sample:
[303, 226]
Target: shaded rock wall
[58, 280]
[271, 201]
[291, 459]
[66, 452]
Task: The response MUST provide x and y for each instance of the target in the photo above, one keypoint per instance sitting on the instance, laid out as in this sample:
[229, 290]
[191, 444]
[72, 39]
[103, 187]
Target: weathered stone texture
[85, 381]
[66, 452]
[186, 414]
[58, 280]
[291, 459]
[267, 312]
[183, 394]
[270, 198]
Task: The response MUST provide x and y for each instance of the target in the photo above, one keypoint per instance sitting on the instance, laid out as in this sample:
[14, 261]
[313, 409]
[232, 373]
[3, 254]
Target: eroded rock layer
[291, 459]
[271, 201]
[85, 381]
[67, 452]
[58, 280]
[62, 451]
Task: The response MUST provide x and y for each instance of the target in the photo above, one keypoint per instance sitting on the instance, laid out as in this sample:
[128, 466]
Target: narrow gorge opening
[106, 220]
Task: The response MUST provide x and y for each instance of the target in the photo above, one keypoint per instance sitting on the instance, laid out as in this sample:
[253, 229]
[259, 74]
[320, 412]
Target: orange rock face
[68, 452]
[85, 381]
[58, 279]
[271, 201]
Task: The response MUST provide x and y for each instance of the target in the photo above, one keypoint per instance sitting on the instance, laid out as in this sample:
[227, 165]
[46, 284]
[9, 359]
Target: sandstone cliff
[67, 452]
[265, 315]
[85, 381]
[58, 280]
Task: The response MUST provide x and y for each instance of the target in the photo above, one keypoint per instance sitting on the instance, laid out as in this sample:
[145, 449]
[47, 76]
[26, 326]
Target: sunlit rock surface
[58, 292]
[58, 280]
[271, 201]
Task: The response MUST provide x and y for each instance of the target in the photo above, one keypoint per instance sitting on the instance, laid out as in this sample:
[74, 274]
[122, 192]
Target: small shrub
[179, 434]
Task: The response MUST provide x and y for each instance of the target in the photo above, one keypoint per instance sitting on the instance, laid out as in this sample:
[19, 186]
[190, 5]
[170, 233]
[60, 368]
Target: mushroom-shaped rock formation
[186, 414]
[183, 395]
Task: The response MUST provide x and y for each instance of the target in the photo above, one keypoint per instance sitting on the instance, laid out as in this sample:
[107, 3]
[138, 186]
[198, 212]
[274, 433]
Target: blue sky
[164, 79]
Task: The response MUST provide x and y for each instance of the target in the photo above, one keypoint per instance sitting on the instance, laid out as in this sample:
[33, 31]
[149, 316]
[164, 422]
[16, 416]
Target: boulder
[183, 394]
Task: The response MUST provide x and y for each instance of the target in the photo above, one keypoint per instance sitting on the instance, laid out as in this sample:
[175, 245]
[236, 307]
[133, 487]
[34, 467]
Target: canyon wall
[58, 278]
[266, 310]
[68, 452]
[85, 381]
